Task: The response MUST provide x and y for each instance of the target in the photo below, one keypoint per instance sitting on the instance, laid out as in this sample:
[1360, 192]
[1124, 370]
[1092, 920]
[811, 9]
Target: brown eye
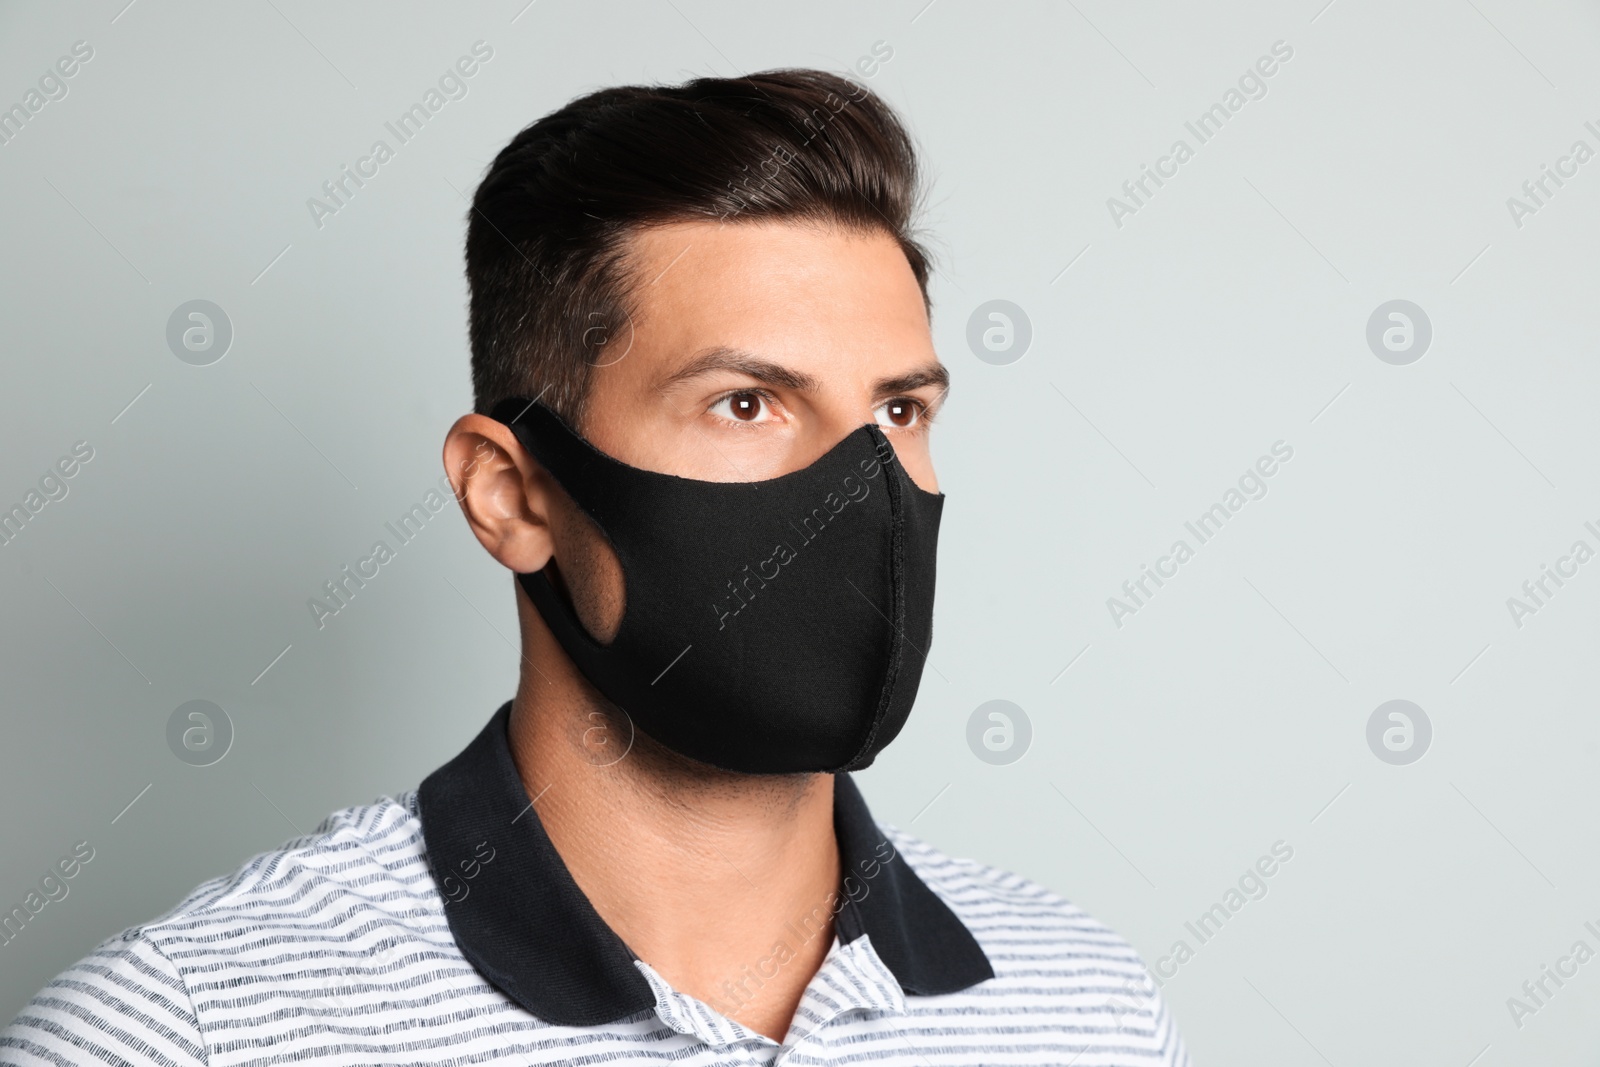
[745, 406]
[900, 412]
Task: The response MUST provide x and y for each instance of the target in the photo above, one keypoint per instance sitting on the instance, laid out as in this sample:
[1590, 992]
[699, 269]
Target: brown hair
[550, 221]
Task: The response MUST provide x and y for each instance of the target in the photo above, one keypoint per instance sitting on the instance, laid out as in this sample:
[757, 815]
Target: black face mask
[769, 627]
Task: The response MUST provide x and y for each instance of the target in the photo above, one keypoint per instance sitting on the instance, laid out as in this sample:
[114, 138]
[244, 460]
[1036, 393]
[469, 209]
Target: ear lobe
[505, 496]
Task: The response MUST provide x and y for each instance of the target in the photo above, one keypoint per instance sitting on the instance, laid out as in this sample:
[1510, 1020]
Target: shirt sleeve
[1171, 1042]
[125, 1003]
[1140, 1012]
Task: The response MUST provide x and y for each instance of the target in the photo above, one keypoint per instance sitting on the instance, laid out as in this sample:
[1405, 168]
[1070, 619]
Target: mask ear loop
[549, 601]
[513, 412]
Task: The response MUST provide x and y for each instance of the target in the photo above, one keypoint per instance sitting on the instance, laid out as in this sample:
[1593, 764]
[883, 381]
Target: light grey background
[1168, 354]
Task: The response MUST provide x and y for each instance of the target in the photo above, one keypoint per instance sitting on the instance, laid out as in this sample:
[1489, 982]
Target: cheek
[592, 573]
[913, 455]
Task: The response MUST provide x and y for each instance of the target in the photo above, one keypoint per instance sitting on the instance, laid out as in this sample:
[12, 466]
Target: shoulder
[358, 855]
[1039, 942]
[1007, 908]
[143, 995]
[124, 1002]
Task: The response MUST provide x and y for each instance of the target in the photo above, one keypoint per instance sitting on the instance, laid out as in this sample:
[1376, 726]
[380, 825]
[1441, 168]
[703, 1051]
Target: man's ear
[506, 497]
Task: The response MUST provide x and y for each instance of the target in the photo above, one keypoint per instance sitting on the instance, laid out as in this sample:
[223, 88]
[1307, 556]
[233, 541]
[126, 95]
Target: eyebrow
[765, 371]
[932, 374]
[723, 358]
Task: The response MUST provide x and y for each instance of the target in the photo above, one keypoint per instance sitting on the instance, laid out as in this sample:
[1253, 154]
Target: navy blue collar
[517, 914]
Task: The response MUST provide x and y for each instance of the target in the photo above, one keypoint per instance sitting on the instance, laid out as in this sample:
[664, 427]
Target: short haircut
[550, 223]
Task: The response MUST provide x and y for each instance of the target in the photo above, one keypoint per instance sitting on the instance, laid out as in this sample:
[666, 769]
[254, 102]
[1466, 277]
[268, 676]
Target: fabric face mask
[769, 627]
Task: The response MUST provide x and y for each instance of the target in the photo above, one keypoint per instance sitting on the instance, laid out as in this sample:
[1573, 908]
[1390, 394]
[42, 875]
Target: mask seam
[897, 605]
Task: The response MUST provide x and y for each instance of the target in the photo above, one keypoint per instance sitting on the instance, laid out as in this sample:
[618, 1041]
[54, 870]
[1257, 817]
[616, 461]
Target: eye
[745, 406]
[901, 412]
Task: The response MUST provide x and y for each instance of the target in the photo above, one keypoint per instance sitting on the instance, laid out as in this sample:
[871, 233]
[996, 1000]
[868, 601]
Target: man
[704, 384]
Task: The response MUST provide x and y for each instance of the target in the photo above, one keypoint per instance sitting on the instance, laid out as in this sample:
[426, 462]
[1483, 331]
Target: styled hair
[548, 233]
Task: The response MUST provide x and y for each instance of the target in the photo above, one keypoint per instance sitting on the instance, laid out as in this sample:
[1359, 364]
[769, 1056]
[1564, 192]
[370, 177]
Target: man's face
[756, 347]
[753, 350]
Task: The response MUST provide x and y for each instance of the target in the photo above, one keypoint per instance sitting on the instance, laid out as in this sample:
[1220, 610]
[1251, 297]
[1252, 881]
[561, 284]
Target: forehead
[821, 298]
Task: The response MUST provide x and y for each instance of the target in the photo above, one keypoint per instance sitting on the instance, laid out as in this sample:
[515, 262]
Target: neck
[722, 882]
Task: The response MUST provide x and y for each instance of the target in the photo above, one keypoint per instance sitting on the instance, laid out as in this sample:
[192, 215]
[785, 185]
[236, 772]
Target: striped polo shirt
[441, 927]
